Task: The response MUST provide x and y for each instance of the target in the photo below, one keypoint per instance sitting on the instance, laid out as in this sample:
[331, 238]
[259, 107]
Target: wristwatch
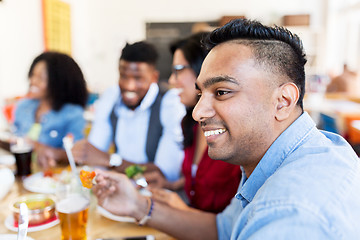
[115, 160]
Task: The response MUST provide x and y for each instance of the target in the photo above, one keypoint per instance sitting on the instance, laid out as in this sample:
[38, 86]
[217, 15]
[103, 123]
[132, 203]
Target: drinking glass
[22, 149]
[72, 206]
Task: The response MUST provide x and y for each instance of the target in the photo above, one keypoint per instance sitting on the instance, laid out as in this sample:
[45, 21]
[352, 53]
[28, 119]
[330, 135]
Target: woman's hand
[170, 198]
[48, 156]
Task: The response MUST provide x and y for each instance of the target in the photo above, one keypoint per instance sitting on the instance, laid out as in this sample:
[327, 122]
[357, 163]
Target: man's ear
[287, 99]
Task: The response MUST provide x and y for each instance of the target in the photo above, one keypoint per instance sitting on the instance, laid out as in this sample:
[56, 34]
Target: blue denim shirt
[307, 186]
[54, 124]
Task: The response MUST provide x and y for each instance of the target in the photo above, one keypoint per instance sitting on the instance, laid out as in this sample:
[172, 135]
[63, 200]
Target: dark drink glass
[22, 154]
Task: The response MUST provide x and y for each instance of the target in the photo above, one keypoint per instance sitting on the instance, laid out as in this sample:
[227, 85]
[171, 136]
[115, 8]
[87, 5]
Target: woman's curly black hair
[66, 83]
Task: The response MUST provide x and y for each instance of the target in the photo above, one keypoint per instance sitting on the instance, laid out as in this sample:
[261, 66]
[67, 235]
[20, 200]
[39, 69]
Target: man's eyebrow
[214, 80]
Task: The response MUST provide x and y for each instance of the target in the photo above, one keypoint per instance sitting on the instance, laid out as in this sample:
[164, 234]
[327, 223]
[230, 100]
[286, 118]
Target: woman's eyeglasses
[178, 68]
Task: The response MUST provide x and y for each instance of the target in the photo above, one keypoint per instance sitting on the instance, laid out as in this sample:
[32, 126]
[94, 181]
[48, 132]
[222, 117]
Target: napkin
[7, 179]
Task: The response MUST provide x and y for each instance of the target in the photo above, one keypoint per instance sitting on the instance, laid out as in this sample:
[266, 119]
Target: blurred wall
[101, 28]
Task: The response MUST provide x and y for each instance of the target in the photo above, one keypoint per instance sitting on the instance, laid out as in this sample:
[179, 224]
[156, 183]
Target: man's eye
[221, 92]
[198, 95]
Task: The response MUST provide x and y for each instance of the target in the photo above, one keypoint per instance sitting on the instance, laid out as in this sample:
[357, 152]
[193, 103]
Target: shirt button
[192, 193]
[53, 133]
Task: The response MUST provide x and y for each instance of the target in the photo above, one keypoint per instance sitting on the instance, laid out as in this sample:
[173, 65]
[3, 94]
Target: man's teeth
[214, 132]
[130, 94]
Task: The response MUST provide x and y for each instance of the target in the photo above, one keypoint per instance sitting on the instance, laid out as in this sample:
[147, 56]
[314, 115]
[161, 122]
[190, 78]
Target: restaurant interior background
[330, 30]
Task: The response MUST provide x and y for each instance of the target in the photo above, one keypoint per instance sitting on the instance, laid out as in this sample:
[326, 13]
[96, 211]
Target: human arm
[156, 179]
[48, 156]
[170, 198]
[48, 147]
[76, 122]
[169, 155]
[113, 190]
[101, 134]
[284, 220]
[85, 153]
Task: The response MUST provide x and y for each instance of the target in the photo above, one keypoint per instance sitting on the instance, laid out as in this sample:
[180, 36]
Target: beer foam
[72, 204]
[20, 148]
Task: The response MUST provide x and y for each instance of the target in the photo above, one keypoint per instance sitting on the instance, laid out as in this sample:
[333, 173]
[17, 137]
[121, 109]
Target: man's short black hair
[140, 52]
[273, 47]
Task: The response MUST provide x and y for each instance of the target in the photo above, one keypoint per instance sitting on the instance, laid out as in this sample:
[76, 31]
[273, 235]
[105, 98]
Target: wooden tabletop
[98, 226]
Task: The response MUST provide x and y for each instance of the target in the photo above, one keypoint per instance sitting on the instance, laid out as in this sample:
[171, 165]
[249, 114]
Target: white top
[132, 128]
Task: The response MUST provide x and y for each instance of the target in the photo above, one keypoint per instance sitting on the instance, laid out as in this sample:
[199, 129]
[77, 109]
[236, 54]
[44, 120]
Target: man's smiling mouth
[130, 95]
[214, 132]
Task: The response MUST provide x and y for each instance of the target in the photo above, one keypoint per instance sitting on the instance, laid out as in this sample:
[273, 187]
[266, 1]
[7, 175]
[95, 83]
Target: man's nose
[203, 109]
[130, 84]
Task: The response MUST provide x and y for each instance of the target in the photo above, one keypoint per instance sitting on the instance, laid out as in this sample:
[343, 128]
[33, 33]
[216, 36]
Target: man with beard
[297, 182]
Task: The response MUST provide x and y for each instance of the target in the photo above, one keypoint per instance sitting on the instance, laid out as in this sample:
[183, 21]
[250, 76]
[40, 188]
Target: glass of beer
[72, 207]
[22, 150]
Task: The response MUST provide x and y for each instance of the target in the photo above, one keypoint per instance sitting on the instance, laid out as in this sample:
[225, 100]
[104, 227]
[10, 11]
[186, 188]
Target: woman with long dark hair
[208, 184]
[53, 107]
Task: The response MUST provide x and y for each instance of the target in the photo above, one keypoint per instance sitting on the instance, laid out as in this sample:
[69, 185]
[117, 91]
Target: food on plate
[134, 170]
[86, 178]
[46, 181]
[48, 173]
[41, 208]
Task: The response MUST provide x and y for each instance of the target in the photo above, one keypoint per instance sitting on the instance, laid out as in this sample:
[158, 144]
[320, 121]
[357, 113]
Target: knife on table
[23, 222]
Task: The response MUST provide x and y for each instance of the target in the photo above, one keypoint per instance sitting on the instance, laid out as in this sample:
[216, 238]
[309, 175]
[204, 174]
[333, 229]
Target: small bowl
[41, 208]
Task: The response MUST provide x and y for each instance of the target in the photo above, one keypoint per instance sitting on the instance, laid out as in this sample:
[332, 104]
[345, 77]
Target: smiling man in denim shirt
[297, 183]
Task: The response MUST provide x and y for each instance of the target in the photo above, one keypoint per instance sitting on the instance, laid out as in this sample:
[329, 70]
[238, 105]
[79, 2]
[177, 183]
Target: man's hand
[85, 153]
[117, 194]
[155, 179]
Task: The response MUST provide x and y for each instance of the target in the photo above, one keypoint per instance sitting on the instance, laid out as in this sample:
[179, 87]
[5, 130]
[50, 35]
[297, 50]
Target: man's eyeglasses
[178, 68]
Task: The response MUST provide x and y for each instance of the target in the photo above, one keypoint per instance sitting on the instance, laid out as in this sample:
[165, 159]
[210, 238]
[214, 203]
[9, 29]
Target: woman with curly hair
[53, 107]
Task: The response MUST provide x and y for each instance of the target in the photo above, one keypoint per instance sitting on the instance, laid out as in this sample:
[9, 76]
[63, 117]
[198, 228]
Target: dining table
[99, 226]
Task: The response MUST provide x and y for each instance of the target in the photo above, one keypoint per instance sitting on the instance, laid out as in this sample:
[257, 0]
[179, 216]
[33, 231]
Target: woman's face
[183, 78]
[38, 81]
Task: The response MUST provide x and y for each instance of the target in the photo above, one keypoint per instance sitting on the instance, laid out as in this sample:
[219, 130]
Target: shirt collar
[149, 98]
[274, 157]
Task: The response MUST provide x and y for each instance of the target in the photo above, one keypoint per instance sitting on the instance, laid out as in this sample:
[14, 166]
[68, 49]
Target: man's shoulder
[111, 92]
[107, 99]
[325, 200]
[171, 105]
[318, 183]
[170, 97]
[314, 169]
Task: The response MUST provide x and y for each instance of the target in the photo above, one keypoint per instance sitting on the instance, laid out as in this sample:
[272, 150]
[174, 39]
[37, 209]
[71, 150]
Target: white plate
[7, 159]
[111, 216]
[9, 224]
[11, 237]
[37, 183]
